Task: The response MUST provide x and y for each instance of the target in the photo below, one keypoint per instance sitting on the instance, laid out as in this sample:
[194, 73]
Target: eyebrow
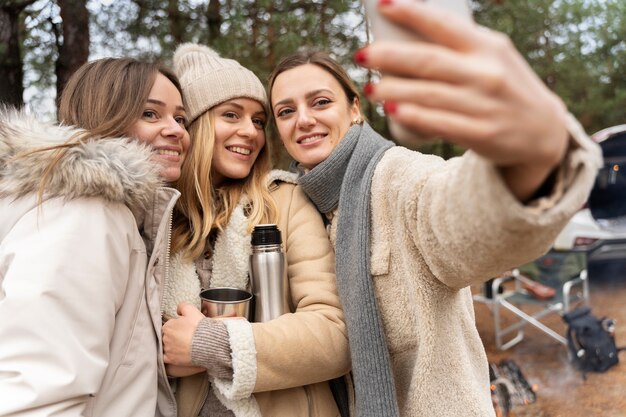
[232, 103]
[307, 95]
[160, 103]
[240, 107]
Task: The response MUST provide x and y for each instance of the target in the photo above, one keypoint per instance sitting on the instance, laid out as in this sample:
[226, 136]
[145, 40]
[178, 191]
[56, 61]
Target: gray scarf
[344, 180]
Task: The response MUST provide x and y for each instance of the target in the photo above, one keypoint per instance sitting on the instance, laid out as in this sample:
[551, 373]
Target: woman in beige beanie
[276, 368]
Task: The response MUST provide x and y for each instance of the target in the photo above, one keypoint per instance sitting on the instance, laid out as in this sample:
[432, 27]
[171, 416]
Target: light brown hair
[322, 60]
[104, 97]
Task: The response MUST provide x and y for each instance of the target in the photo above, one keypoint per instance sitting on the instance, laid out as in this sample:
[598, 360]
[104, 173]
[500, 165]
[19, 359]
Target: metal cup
[225, 303]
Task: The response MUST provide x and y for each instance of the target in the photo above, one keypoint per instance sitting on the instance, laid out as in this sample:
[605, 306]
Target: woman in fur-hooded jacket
[83, 247]
[278, 368]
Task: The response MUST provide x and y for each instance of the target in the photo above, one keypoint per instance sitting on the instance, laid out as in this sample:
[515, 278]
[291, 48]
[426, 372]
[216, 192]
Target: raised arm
[462, 218]
[468, 84]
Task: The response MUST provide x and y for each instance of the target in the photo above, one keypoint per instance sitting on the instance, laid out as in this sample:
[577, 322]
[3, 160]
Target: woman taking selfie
[279, 367]
[412, 232]
[83, 243]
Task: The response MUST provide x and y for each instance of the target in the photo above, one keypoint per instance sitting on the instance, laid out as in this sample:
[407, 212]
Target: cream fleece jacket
[438, 227]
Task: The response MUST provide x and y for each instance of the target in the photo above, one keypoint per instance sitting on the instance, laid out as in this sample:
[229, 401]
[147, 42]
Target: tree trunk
[74, 50]
[177, 23]
[214, 20]
[11, 71]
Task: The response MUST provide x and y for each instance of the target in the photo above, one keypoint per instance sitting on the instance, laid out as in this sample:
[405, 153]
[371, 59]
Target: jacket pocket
[133, 321]
[141, 325]
[393, 298]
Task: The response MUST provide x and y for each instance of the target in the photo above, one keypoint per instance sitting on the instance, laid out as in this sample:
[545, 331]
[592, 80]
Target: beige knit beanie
[208, 79]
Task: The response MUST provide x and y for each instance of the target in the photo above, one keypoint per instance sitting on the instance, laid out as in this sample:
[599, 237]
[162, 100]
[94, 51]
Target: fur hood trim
[116, 169]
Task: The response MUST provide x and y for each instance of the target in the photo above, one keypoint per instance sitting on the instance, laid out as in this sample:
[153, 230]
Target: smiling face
[312, 113]
[162, 125]
[239, 138]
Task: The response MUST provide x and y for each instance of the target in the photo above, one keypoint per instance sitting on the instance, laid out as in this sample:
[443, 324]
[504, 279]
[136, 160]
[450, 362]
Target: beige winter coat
[79, 308]
[280, 366]
[436, 228]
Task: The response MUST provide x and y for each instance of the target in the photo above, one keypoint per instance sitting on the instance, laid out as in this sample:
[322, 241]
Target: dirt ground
[562, 392]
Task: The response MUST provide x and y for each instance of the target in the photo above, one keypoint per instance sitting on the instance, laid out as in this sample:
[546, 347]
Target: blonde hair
[203, 208]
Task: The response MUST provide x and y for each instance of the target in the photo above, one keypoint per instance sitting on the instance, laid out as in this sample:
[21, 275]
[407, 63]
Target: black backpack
[591, 341]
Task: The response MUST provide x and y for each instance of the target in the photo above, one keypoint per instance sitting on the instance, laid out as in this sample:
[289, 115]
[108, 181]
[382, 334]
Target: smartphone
[382, 29]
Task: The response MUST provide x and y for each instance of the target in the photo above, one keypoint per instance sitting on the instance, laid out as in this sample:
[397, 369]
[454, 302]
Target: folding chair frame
[561, 306]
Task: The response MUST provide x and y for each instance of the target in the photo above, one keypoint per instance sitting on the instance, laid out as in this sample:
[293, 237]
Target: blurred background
[576, 46]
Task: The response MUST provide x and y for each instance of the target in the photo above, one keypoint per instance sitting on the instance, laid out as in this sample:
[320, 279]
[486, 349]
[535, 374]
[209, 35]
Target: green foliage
[257, 33]
[576, 46]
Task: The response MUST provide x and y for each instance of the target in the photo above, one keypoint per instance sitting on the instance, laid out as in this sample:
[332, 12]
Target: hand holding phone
[384, 30]
[469, 85]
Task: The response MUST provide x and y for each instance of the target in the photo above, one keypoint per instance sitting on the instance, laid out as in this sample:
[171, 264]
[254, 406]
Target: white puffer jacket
[79, 300]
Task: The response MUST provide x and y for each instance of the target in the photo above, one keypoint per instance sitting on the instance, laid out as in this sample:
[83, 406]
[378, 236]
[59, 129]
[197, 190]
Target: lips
[303, 140]
[168, 152]
[239, 150]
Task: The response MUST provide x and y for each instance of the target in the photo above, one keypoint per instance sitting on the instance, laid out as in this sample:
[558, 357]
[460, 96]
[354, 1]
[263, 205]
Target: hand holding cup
[178, 333]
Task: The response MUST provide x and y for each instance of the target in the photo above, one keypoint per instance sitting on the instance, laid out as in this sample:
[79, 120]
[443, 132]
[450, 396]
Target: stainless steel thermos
[268, 273]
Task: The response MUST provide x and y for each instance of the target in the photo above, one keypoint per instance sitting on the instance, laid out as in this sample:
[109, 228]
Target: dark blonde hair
[322, 60]
[204, 208]
[104, 97]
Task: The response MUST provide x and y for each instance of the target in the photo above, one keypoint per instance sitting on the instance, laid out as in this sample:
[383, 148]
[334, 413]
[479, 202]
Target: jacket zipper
[166, 262]
[166, 270]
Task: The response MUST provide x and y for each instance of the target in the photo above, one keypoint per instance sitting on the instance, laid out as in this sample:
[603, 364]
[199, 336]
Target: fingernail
[368, 89]
[384, 2]
[360, 56]
[390, 107]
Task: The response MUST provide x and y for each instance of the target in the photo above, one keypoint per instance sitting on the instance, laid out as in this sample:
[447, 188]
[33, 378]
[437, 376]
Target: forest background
[578, 47]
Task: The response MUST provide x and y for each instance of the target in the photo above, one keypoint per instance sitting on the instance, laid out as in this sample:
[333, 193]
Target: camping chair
[565, 272]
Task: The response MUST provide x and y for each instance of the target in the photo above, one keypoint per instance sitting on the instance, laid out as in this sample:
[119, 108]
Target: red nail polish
[368, 89]
[360, 56]
[390, 107]
[384, 2]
